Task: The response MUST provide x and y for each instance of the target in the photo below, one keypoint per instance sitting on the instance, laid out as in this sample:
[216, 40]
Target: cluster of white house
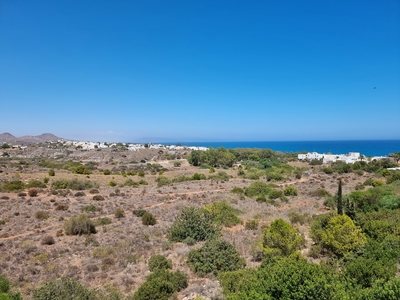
[349, 158]
[132, 147]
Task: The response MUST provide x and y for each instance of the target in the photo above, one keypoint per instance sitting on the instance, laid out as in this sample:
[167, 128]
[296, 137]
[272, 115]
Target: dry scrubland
[112, 186]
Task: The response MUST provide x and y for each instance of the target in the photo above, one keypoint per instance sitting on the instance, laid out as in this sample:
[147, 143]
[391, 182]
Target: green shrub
[89, 208]
[215, 256]
[285, 278]
[192, 223]
[11, 186]
[298, 218]
[337, 234]
[198, 176]
[280, 238]
[148, 219]
[222, 213]
[107, 172]
[290, 191]
[161, 285]
[73, 184]
[34, 183]
[159, 262]
[4, 284]
[52, 172]
[389, 290]
[62, 289]
[162, 180]
[79, 225]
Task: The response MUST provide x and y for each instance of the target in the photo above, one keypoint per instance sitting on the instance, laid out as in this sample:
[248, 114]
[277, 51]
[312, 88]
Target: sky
[201, 70]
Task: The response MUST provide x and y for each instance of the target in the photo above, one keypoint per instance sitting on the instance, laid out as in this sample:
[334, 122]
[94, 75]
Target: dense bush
[222, 213]
[159, 262]
[337, 234]
[280, 238]
[62, 289]
[286, 278]
[161, 285]
[378, 225]
[215, 256]
[79, 225]
[389, 290]
[192, 223]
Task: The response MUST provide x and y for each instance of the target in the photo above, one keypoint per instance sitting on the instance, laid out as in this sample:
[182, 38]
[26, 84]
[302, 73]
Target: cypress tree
[340, 199]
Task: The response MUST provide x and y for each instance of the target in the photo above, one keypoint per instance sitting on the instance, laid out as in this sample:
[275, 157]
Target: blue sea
[368, 148]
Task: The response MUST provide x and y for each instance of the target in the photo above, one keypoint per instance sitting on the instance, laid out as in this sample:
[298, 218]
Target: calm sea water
[369, 148]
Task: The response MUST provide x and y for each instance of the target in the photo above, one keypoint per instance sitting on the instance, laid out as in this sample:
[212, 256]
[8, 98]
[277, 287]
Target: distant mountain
[28, 139]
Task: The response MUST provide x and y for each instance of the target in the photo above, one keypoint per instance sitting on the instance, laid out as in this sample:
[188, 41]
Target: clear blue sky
[201, 70]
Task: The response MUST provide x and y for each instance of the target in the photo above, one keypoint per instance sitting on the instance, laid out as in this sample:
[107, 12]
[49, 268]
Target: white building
[348, 158]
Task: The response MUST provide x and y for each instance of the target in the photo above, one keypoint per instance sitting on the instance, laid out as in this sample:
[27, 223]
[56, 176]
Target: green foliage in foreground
[161, 285]
[194, 224]
[215, 256]
[286, 278]
[261, 190]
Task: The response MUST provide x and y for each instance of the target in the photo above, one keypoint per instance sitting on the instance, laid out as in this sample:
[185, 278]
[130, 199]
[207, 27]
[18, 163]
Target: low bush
[79, 225]
[52, 172]
[290, 191]
[161, 285]
[34, 183]
[280, 238]
[11, 186]
[162, 180]
[33, 192]
[159, 262]
[223, 214]
[61, 289]
[285, 278]
[98, 198]
[73, 184]
[215, 256]
[192, 223]
[148, 219]
[42, 215]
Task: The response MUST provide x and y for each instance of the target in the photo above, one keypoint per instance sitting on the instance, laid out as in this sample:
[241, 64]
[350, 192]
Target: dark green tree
[339, 198]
